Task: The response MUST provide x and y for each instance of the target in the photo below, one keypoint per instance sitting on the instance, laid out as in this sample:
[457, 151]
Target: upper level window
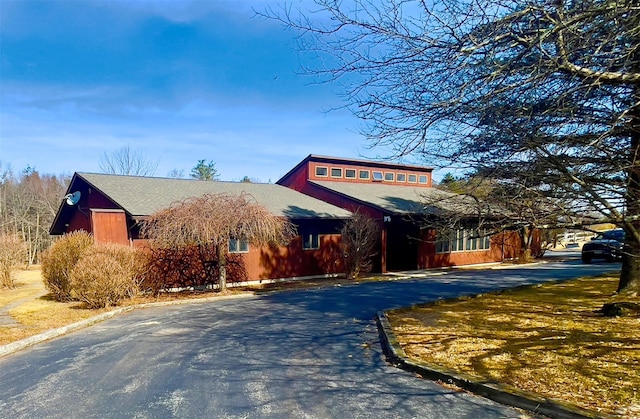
[363, 174]
[336, 172]
[321, 171]
[388, 176]
[413, 178]
[422, 179]
[401, 177]
[377, 176]
[238, 246]
[350, 173]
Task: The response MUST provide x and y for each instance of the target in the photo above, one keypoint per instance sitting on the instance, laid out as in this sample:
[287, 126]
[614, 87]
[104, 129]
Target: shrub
[58, 261]
[187, 266]
[13, 253]
[105, 275]
[359, 236]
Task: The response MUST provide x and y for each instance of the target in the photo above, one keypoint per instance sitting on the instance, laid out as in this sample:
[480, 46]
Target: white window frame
[326, 169]
[377, 176]
[339, 169]
[415, 178]
[425, 181]
[311, 241]
[364, 174]
[238, 246]
[346, 173]
[404, 177]
[463, 240]
[389, 177]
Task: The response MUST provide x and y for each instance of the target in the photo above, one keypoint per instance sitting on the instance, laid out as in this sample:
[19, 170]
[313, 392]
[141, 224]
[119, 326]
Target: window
[321, 171]
[363, 174]
[422, 179]
[350, 173]
[412, 178]
[388, 177]
[238, 246]
[377, 176]
[401, 177]
[310, 241]
[462, 240]
[336, 172]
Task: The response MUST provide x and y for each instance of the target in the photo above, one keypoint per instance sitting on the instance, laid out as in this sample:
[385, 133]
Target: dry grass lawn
[546, 339]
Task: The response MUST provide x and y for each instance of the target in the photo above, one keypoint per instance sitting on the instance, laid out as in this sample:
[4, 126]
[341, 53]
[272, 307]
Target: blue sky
[179, 80]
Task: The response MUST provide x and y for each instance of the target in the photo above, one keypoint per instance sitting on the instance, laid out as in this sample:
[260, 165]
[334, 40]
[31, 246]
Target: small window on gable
[363, 174]
[238, 246]
[401, 177]
[422, 179]
[350, 173]
[377, 176]
[336, 172]
[310, 241]
[321, 171]
[413, 178]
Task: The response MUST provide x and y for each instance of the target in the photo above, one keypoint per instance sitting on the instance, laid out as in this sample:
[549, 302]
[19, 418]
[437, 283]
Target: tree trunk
[630, 273]
[222, 268]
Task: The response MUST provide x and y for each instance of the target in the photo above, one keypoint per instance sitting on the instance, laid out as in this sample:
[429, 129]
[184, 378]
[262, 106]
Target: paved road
[300, 354]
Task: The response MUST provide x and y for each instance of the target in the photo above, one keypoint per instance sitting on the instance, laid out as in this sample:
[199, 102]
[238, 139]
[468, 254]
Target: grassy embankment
[548, 339]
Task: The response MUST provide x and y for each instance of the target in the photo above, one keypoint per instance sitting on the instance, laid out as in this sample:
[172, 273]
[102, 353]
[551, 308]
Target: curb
[53, 333]
[495, 391]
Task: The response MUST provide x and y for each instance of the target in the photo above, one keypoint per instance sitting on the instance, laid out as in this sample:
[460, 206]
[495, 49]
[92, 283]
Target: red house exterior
[394, 195]
[111, 206]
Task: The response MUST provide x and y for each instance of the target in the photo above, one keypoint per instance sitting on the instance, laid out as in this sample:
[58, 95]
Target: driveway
[300, 354]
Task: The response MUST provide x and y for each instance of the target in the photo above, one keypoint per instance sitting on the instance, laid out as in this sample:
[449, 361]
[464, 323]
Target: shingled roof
[402, 200]
[142, 196]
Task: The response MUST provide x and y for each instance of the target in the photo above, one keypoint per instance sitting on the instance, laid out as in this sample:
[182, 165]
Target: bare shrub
[187, 266]
[60, 259]
[359, 241]
[13, 253]
[106, 275]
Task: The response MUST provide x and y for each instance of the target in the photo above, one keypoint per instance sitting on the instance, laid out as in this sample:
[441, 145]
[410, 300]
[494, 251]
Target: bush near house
[186, 267]
[59, 260]
[106, 274]
[13, 253]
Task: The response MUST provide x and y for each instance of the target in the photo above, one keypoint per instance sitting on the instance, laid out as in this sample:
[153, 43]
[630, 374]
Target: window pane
[233, 245]
[321, 171]
[422, 179]
[401, 177]
[350, 173]
[377, 175]
[364, 174]
[388, 177]
[311, 241]
[336, 172]
[412, 178]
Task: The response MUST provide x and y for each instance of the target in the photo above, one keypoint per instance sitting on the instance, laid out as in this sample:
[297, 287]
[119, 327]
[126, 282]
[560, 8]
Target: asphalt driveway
[300, 354]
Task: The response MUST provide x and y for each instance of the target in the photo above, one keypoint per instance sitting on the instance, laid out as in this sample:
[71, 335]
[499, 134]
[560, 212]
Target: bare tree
[214, 220]
[549, 90]
[125, 161]
[359, 236]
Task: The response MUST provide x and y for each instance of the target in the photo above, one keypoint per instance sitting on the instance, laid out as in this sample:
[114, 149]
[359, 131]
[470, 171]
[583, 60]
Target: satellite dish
[73, 198]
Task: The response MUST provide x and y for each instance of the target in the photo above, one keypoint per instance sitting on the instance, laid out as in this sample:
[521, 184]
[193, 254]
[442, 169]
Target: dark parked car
[607, 245]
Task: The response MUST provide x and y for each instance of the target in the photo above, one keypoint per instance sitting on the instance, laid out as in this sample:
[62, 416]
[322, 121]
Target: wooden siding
[109, 226]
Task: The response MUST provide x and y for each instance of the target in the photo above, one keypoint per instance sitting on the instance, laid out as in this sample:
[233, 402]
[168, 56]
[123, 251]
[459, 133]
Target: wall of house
[504, 246]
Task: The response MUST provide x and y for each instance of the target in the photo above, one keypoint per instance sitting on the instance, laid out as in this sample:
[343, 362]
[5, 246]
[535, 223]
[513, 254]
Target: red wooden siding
[109, 226]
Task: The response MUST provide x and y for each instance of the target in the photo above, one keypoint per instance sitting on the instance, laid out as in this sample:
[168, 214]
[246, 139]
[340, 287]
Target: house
[401, 198]
[111, 207]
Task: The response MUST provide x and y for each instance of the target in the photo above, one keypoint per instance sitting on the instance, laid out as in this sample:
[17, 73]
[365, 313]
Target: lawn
[547, 339]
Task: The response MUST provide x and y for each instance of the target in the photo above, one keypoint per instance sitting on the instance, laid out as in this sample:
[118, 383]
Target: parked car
[607, 245]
